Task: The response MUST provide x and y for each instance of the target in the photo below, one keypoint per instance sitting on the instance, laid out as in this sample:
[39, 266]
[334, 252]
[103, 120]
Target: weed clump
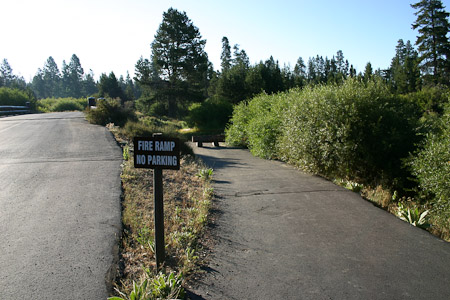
[110, 111]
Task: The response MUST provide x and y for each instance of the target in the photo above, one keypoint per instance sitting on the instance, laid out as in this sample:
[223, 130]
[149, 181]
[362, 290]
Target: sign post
[157, 153]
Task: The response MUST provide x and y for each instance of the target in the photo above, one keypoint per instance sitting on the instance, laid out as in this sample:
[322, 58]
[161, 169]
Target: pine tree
[180, 60]
[225, 57]
[433, 44]
[38, 85]
[404, 73]
[76, 76]
[72, 78]
[240, 57]
[300, 72]
[6, 74]
[108, 86]
[89, 85]
[368, 72]
[52, 78]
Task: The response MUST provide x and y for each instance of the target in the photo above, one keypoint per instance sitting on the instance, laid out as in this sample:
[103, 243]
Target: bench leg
[199, 144]
[216, 144]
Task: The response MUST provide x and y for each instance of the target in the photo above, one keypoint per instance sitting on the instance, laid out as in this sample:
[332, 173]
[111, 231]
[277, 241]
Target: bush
[431, 165]
[151, 107]
[430, 98]
[212, 114]
[257, 124]
[110, 111]
[13, 97]
[355, 131]
[236, 131]
[61, 104]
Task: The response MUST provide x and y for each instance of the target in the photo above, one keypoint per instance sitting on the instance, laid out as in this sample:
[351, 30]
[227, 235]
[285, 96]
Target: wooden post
[157, 153]
[159, 217]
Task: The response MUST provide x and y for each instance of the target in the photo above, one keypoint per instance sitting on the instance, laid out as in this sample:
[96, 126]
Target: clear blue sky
[111, 35]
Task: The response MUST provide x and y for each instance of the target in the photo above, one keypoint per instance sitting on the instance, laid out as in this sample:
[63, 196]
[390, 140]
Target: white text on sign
[159, 145]
[157, 153]
[156, 160]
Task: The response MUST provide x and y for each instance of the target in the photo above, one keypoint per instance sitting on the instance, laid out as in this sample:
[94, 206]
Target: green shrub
[110, 111]
[151, 107]
[158, 109]
[430, 98]
[355, 131]
[431, 165]
[265, 126]
[316, 130]
[212, 114]
[61, 104]
[13, 97]
[236, 131]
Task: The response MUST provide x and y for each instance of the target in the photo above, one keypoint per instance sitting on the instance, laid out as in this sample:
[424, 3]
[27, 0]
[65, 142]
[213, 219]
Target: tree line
[70, 81]
[179, 73]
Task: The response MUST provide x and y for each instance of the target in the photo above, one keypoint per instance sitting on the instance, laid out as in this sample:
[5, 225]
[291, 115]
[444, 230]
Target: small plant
[145, 238]
[349, 185]
[126, 153]
[205, 174]
[413, 216]
[190, 257]
[183, 238]
[208, 192]
[159, 287]
[167, 286]
[139, 292]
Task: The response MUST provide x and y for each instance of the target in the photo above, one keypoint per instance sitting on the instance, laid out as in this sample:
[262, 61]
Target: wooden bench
[215, 139]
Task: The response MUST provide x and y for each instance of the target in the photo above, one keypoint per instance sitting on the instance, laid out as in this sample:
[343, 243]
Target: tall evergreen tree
[66, 89]
[352, 71]
[72, 78]
[300, 72]
[38, 85]
[89, 85]
[6, 74]
[52, 78]
[368, 72]
[180, 59]
[225, 57]
[7, 77]
[239, 82]
[240, 57]
[433, 44]
[404, 73]
[76, 76]
[109, 86]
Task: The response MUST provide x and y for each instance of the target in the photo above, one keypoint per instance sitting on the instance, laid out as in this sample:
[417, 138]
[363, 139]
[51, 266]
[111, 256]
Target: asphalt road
[283, 234]
[59, 207]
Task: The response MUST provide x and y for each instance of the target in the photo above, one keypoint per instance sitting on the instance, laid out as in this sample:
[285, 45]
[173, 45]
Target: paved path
[283, 234]
[59, 207]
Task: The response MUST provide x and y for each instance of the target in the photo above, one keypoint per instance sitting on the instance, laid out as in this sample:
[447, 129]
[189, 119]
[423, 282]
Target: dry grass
[187, 199]
[380, 196]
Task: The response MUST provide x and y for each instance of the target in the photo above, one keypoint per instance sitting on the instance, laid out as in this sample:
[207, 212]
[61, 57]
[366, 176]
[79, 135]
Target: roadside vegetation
[61, 104]
[382, 133]
[388, 147]
[16, 97]
[187, 199]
